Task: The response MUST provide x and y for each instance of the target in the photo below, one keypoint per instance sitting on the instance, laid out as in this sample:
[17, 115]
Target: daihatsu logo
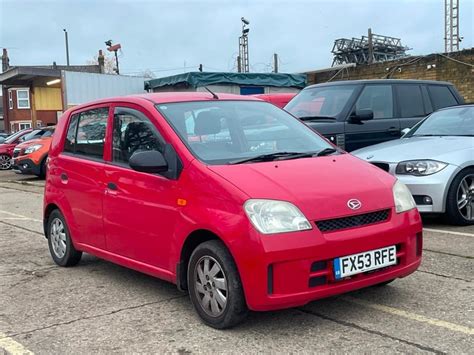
[354, 204]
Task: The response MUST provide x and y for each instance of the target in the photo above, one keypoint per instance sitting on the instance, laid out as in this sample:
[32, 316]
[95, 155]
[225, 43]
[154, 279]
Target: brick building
[32, 95]
[458, 69]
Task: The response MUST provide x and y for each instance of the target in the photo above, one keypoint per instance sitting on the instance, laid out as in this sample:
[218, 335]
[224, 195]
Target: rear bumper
[296, 268]
[26, 166]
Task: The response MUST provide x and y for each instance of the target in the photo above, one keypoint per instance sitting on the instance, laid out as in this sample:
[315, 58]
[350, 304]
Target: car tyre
[59, 241]
[5, 162]
[43, 169]
[384, 283]
[215, 287]
[460, 199]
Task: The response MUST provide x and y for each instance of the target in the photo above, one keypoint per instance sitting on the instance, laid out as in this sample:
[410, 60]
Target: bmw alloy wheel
[465, 197]
[211, 286]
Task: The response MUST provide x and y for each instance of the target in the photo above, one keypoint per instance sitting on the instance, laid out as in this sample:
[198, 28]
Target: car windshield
[222, 132]
[38, 133]
[11, 139]
[325, 101]
[457, 121]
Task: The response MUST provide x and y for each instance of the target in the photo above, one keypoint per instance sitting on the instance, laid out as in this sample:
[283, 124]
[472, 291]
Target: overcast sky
[164, 35]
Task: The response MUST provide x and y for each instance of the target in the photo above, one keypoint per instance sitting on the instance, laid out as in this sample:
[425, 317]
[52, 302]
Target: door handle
[112, 186]
[393, 130]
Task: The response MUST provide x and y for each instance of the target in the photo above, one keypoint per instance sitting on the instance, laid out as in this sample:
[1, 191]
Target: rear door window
[441, 96]
[410, 101]
[378, 98]
[86, 133]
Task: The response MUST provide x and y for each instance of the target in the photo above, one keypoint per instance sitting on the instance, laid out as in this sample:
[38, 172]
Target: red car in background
[280, 99]
[242, 215]
[6, 148]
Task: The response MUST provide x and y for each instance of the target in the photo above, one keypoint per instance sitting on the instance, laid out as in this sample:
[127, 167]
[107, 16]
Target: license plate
[370, 260]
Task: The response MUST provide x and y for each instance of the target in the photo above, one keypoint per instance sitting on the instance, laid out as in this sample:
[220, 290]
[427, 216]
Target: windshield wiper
[309, 118]
[274, 156]
[326, 151]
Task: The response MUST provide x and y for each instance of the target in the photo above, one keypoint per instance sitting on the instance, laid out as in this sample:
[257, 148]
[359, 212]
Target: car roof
[380, 81]
[455, 106]
[169, 97]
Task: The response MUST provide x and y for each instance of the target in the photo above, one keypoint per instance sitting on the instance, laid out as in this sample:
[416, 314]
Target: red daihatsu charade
[229, 197]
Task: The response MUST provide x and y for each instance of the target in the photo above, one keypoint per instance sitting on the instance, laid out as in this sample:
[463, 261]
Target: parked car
[30, 157]
[6, 148]
[243, 216]
[359, 113]
[435, 159]
[278, 99]
[3, 136]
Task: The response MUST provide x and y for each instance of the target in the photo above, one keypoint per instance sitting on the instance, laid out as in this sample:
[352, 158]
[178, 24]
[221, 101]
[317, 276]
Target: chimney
[5, 60]
[101, 60]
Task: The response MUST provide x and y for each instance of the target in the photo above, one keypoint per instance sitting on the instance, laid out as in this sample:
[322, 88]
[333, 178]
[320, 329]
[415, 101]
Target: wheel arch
[47, 212]
[191, 242]
[451, 179]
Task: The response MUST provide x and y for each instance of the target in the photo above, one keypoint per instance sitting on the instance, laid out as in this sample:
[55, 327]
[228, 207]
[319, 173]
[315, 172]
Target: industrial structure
[243, 65]
[451, 26]
[367, 49]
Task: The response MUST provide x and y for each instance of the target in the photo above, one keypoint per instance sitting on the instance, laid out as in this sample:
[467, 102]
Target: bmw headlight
[402, 196]
[33, 148]
[271, 216]
[419, 167]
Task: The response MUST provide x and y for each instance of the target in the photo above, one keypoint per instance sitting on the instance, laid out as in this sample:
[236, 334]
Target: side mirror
[148, 161]
[405, 131]
[362, 115]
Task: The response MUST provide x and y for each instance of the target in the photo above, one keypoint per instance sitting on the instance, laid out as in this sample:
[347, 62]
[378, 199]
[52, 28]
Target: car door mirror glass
[148, 161]
[362, 115]
[405, 131]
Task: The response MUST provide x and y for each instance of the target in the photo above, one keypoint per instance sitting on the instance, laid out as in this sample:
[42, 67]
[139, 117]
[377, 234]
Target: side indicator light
[182, 202]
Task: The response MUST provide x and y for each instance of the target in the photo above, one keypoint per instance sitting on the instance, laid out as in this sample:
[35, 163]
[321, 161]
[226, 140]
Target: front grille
[331, 225]
[383, 166]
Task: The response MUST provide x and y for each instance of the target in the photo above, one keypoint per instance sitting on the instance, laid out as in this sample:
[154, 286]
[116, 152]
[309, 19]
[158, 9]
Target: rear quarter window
[441, 96]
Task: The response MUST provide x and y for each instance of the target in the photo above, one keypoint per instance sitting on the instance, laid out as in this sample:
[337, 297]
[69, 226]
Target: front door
[383, 127]
[139, 208]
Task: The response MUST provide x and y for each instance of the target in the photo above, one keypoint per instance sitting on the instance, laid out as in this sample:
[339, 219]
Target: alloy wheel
[465, 197]
[210, 286]
[5, 162]
[58, 238]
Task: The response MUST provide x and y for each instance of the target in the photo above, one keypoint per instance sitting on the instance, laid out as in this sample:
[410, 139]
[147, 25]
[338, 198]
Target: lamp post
[67, 46]
[243, 58]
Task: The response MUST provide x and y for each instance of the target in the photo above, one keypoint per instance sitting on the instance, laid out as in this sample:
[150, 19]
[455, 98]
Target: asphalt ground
[99, 307]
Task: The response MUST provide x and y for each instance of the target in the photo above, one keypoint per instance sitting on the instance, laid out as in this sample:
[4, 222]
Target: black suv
[359, 113]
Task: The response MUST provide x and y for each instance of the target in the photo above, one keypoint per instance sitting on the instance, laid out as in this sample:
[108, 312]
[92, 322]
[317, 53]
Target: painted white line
[18, 216]
[13, 347]
[412, 316]
[448, 232]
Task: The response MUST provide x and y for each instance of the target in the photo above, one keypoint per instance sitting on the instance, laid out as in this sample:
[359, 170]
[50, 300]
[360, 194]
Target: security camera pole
[114, 48]
[243, 58]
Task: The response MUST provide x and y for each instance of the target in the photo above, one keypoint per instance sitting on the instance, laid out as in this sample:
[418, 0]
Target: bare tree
[147, 73]
[109, 63]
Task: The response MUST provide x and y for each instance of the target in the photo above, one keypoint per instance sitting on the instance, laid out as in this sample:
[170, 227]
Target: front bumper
[292, 269]
[435, 186]
[26, 166]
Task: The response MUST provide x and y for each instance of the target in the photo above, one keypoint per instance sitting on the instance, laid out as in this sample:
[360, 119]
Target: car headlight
[402, 196]
[271, 216]
[33, 148]
[419, 167]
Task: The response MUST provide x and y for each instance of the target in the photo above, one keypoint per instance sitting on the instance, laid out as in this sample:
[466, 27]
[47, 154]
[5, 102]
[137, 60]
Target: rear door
[383, 127]
[410, 107]
[81, 172]
[139, 208]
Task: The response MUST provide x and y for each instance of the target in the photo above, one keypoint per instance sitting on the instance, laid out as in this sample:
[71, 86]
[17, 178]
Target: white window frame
[18, 99]
[10, 100]
[24, 125]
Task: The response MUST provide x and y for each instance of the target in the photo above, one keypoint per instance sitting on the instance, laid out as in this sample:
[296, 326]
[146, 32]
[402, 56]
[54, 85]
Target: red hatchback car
[7, 147]
[242, 215]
